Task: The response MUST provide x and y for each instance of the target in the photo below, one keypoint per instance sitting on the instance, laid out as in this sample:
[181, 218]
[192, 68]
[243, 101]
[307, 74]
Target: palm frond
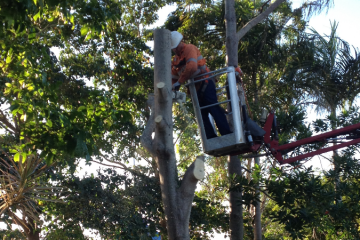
[21, 187]
[326, 70]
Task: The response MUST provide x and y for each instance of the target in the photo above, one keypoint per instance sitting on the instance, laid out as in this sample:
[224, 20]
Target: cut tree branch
[186, 192]
[192, 176]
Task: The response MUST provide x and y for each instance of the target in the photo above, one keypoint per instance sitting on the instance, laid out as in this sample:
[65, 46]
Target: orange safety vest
[183, 67]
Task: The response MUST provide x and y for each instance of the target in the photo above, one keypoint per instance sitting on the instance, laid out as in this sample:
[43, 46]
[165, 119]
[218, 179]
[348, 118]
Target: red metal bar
[320, 137]
[267, 127]
[320, 151]
[275, 148]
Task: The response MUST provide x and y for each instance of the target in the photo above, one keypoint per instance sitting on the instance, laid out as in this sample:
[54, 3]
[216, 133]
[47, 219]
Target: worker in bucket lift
[187, 64]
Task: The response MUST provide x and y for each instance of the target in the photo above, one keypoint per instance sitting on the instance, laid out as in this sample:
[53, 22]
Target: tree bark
[236, 224]
[177, 200]
[336, 165]
[257, 19]
[232, 41]
[257, 217]
[33, 235]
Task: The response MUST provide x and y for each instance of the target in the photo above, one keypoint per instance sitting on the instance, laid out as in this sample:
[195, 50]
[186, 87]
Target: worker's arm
[174, 78]
[174, 75]
[191, 63]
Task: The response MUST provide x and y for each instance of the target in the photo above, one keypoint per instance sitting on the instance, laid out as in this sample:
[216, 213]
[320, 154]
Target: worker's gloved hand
[176, 86]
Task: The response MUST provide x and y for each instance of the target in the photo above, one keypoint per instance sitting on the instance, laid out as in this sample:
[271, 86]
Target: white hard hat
[176, 38]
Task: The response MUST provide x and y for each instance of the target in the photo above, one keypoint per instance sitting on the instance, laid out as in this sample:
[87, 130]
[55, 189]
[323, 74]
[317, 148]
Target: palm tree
[22, 191]
[326, 72]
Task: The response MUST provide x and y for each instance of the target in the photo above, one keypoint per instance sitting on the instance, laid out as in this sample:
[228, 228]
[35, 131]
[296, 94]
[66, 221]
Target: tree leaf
[84, 30]
[24, 155]
[8, 59]
[81, 108]
[37, 16]
[17, 157]
[49, 123]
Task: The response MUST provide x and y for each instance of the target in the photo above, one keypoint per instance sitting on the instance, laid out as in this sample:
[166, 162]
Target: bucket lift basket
[238, 142]
[230, 143]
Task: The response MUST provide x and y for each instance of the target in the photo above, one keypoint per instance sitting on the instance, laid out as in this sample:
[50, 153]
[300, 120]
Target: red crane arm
[275, 149]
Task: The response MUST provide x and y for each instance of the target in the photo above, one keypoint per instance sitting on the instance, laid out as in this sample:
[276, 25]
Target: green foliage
[290, 123]
[84, 102]
[307, 204]
[11, 234]
[207, 217]
[116, 206]
[73, 232]
[89, 102]
[47, 105]
[345, 118]
[307, 201]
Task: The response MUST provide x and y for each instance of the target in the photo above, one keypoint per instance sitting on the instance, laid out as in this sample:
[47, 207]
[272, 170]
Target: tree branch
[240, 34]
[19, 222]
[146, 139]
[6, 129]
[262, 7]
[186, 192]
[5, 121]
[193, 174]
[121, 165]
[108, 165]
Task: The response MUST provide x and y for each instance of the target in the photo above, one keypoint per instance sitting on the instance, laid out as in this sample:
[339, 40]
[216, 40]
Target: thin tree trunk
[336, 165]
[234, 165]
[236, 224]
[232, 41]
[257, 217]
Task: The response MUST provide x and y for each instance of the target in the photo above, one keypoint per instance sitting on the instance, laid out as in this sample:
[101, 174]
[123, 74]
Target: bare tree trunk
[232, 41]
[336, 165]
[234, 164]
[177, 200]
[257, 217]
[236, 225]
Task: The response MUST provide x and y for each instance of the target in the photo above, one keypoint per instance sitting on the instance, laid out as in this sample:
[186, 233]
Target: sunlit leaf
[49, 123]
[17, 157]
[84, 30]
